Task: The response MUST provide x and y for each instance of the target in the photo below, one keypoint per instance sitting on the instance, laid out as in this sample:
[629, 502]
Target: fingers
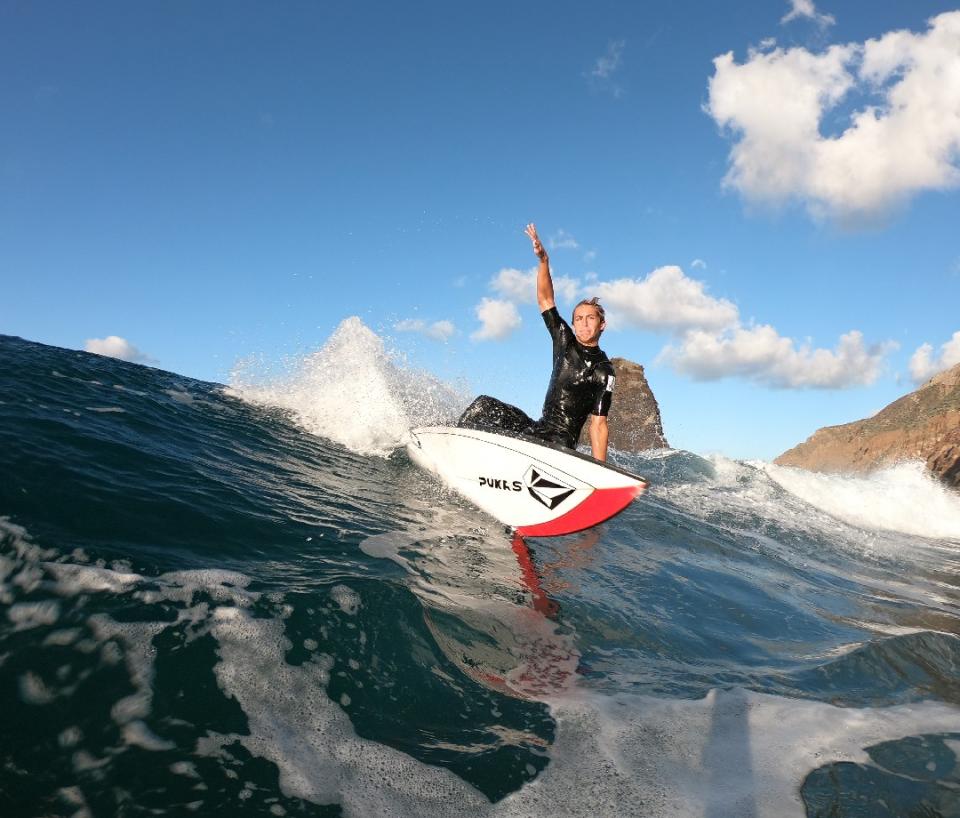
[531, 231]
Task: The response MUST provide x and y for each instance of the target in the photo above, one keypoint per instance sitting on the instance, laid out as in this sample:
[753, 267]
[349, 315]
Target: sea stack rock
[634, 420]
[924, 425]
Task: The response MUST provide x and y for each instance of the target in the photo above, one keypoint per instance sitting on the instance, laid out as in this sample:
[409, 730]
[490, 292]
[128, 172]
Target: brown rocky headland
[634, 420]
[924, 425]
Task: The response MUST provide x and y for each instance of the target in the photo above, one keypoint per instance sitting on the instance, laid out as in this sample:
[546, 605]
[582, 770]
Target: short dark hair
[593, 302]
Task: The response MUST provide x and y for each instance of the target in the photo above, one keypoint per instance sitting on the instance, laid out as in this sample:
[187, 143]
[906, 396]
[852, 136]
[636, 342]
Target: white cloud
[517, 285]
[438, 330]
[713, 343]
[113, 346]
[760, 353]
[441, 330]
[610, 61]
[698, 264]
[906, 142]
[806, 8]
[924, 366]
[562, 240]
[666, 300]
[498, 319]
[921, 366]
[410, 325]
[521, 286]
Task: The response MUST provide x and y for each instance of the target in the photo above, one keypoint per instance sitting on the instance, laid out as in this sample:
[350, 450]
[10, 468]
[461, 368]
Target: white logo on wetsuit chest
[546, 489]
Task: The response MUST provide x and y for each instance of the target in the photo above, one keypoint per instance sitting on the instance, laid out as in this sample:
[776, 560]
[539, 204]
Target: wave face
[246, 601]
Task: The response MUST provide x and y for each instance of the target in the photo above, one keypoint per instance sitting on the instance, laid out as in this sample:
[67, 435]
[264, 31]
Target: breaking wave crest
[353, 391]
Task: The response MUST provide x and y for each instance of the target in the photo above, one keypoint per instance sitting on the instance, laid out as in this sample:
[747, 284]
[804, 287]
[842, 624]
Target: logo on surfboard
[498, 483]
[546, 489]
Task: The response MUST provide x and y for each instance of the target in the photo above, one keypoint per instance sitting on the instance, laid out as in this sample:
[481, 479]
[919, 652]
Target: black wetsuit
[581, 384]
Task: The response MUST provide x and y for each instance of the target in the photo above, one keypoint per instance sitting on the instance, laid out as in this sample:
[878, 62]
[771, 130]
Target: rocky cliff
[924, 425]
[634, 420]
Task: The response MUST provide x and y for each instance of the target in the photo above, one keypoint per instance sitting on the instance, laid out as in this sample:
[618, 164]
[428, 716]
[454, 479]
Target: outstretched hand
[538, 250]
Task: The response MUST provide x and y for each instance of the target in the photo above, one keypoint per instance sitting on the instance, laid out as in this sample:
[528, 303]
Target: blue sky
[218, 180]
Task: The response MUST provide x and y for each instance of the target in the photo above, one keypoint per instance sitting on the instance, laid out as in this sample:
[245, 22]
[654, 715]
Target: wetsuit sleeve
[558, 328]
[604, 396]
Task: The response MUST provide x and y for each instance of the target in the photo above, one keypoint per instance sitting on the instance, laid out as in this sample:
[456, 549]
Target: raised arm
[545, 298]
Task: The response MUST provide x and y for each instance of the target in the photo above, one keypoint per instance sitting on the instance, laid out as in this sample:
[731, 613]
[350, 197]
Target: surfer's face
[588, 324]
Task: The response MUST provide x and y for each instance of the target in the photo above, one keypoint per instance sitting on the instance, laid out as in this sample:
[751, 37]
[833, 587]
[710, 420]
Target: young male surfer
[581, 383]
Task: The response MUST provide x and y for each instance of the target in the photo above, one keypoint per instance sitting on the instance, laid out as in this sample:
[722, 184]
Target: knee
[475, 411]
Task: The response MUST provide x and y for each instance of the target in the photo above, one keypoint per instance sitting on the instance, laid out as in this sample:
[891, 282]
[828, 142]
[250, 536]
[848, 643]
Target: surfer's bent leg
[494, 415]
[550, 435]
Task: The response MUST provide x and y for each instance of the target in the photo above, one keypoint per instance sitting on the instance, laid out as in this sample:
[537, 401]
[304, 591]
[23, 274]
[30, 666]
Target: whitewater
[245, 600]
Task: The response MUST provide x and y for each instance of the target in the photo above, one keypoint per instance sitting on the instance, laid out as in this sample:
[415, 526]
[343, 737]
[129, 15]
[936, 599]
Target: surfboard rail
[536, 488]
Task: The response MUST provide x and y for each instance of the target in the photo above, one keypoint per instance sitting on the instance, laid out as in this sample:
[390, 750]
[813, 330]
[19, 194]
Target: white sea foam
[33, 690]
[346, 598]
[73, 797]
[26, 615]
[137, 734]
[904, 498]
[353, 391]
[180, 396]
[74, 579]
[731, 754]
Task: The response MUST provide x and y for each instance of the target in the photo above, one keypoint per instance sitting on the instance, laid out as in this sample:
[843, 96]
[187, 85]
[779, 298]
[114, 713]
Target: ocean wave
[259, 686]
[205, 606]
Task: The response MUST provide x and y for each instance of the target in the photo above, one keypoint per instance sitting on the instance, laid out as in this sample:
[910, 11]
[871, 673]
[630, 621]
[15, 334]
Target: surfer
[581, 383]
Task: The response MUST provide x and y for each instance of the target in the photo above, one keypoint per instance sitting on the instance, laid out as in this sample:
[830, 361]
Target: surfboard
[536, 488]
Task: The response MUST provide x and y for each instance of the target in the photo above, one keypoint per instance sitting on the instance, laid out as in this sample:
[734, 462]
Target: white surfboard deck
[538, 489]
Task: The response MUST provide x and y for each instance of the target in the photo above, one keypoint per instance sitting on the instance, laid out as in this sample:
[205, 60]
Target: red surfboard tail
[599, 506]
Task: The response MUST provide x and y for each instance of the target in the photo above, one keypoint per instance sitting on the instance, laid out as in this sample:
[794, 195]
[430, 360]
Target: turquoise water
[230, 601]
